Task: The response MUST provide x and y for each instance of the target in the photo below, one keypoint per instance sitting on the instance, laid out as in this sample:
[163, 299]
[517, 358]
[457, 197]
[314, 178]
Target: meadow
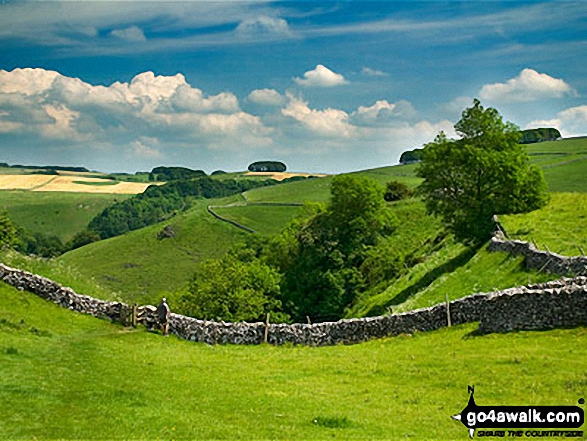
[68, 376]
[61, 214]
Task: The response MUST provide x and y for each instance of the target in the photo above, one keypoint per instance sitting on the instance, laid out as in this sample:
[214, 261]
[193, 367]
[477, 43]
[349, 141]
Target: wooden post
[448, 311]
[134, 315]
[308, 319]
[266, 329]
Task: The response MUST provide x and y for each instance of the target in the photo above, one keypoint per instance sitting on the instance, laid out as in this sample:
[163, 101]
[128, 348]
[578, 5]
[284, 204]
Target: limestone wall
[540, 306]
[541, 260]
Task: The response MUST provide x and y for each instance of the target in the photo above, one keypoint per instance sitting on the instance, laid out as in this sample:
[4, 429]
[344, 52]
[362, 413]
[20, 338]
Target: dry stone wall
[541, 260]
[540, 306]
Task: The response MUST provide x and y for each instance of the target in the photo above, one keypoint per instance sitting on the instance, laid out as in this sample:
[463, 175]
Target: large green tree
[485, 172]
[321, 257]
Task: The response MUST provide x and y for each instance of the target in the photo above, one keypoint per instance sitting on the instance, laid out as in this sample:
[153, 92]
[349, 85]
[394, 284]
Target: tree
[8, 232]
[233, 290]
[320, 258]
[485, 172]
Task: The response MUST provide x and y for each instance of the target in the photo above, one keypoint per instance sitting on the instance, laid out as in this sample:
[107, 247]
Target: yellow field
[23, 182]
[67, 183]
[282, 176]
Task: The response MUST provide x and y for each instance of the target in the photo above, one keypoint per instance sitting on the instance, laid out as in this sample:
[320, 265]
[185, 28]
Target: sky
[323, 86]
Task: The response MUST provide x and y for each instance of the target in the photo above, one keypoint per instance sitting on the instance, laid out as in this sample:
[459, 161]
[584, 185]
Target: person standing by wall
[163, 315]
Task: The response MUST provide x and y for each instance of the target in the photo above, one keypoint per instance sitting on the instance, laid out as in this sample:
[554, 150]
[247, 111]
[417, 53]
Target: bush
[396, 191]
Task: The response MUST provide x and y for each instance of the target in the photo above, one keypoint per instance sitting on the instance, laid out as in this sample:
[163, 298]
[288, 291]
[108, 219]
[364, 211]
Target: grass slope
[561, 225]
[564, 163]
[64, 375]
[480, 271]
[263, 219]
[140, 267]
[54, 213]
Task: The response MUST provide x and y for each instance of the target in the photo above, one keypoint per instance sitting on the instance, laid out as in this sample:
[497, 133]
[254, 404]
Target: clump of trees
[538, 135]
[485, 172]
[267, 166]
[174, 174]
[410, 156]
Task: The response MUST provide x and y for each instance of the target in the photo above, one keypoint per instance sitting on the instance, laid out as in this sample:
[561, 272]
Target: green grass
[265, 220]
[564, 163]
[318, 189]
[58, 271]
[566, 146]
[96, 183]
[138, 266]
[570, 176]
[64, 375]
[54, 213]
[310, 190]
[480, 271]
[561, 225]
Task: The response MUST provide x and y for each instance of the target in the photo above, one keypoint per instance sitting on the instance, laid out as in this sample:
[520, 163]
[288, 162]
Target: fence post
[266, 329]
[134, 315]
[447, 311]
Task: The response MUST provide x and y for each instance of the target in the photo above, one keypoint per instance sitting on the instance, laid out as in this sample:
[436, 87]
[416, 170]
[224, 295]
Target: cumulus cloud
[132, 33]
[54, 106]
[384, 112]
[529, 85]
[143, 148]
[267, 97]
[570, 122]
[321, 77]
[328, 122]
[263, 26]
[373, 72]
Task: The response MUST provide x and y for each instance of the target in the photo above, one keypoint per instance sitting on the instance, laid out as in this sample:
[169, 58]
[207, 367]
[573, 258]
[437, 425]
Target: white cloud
[529, 85]
[373, 72]
[570, 122]
[321, 77]
[132, 33]
[141, 149]
[268, 97]
[263, 26]
[384, 112]
[26, 81]
[166, 107]
[329, 122]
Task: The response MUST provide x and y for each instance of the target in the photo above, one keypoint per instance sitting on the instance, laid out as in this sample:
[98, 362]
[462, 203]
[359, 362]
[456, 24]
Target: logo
[521, 417]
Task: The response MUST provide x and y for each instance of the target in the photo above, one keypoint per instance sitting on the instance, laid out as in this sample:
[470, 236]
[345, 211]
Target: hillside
[142, 264]
[54, 213]
[69, 375]
[140, 267]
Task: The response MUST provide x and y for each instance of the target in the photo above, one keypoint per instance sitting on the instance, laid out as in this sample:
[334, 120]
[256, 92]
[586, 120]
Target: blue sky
[323, 86]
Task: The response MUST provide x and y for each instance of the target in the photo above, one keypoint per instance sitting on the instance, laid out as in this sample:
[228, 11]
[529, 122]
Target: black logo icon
[520, 417]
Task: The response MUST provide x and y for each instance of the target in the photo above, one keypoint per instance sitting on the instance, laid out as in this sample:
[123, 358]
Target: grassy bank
[65, 375]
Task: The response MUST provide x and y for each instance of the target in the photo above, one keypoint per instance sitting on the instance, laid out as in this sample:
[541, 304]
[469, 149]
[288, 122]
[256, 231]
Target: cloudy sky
[323, 86]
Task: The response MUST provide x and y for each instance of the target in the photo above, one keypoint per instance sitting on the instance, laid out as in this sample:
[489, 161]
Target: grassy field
[139, 266]
[479, 272]
[561, 225]
[68, 376]
[265, 220]
[564, 163]
[55, 213]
